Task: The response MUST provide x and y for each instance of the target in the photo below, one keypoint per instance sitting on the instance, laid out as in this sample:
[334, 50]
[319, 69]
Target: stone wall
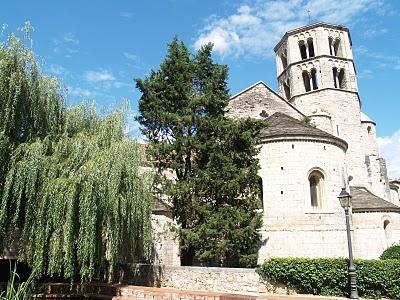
[374, 232]
[260, 101]
[224, 280]
[229, 280]
[165, 240]
[289, 218]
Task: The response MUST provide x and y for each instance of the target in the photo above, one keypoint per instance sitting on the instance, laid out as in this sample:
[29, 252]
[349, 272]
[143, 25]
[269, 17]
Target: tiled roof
[280, 124]
[364, 201]
[365, 118]
[159, 206]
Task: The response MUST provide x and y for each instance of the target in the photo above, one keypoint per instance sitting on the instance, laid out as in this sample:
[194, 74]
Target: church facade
[318, 141]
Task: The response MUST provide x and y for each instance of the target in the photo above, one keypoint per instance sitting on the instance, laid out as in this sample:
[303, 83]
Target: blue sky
[98, 47]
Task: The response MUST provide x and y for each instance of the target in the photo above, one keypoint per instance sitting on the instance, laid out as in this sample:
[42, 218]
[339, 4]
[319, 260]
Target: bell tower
[316, 74]
[315, 58]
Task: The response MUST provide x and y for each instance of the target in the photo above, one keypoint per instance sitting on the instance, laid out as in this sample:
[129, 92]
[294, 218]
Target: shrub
[329, 277]
[392, 252]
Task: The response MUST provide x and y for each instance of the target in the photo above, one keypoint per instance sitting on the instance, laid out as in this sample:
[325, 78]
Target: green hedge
[392, 252]
[328, 276]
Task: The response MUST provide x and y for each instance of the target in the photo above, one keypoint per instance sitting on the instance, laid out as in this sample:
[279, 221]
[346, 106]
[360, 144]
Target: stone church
[318, 141]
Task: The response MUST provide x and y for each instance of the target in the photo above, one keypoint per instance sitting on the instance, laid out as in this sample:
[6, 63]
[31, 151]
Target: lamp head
[344, 198]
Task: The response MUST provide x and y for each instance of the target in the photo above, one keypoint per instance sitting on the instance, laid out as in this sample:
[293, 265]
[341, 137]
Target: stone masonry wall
[289, 218]
[374, 232]
[165, 240]
[226, 280]
[259, 98]
[229, 280]
[345, 115]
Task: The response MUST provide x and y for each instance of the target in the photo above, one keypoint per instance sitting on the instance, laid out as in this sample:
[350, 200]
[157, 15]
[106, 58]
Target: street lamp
[345, 202]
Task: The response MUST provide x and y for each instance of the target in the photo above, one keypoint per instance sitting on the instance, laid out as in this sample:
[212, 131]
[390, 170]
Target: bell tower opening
[284, 62]
[303, 50]
[337, 48]
[314, 79]
[306, 81]
[286, 88]
[310, 45]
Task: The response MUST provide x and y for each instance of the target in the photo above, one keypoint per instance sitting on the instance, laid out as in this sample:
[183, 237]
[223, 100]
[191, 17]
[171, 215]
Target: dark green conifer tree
[214, 189]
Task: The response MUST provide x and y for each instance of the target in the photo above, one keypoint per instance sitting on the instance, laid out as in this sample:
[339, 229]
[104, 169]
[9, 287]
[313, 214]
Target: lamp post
[344, 199]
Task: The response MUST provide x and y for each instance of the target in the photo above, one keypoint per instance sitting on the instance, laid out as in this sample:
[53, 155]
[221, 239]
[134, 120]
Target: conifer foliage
[75, 198]
[214, 190]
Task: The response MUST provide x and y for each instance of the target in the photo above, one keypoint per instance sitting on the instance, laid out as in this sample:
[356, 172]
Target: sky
[97, 47]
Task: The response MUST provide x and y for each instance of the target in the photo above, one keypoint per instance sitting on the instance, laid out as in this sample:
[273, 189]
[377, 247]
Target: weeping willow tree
[74, 196]
[31, 104]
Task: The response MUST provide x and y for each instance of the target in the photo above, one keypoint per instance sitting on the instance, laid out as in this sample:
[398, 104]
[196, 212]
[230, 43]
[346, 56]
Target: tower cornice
[314, 58]
[311, 26]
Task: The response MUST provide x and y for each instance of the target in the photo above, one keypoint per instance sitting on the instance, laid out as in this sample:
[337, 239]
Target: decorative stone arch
[310, 75]
[340, 77]
[316, 180]
[335, 37]
[306, 45]
[386, 222]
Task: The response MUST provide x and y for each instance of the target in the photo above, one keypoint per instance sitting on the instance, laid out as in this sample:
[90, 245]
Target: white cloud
[134, 61]
[69, 37]
[389, 147]
[365, 73]
[57, 70]
[95, 76]
[80, 92]
[255, 28]
[379, 60]
[131, 56]
[66, 45]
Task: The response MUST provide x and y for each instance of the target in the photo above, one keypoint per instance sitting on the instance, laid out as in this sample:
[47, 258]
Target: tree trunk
[187, 256]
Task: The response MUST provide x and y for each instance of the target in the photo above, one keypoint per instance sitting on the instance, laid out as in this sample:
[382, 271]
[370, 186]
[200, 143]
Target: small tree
[213, 158]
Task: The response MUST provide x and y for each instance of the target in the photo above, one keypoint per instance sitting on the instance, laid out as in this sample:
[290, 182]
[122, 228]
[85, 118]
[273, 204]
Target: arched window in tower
[337, 47]
[330, 41]
[335, 77]
[316, 180]
[306, 80]
[303, 50]
[314, 79]
[286, 89]
[342, 79]
[283, 57]
[310, 47]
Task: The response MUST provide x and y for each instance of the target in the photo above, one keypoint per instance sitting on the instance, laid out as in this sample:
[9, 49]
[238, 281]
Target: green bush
[329, 277]
[392, 252]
